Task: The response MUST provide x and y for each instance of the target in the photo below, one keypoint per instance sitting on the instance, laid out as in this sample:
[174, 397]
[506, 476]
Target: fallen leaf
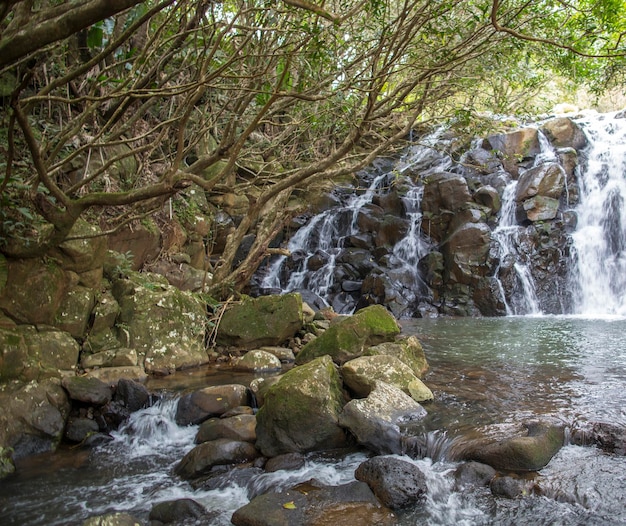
[289, 505]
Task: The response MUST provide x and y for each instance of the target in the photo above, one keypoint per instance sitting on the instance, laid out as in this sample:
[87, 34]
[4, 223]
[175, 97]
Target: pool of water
[488, 374]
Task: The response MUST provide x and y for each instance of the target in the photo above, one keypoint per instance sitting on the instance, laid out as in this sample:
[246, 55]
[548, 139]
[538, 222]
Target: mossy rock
[408, 350]
[263, 321]
[85, 253]
[163, 324]
[27, 353]
[75, 311]
[6, 462]
[352, 336]
[361, 374]
[301, 411]
[34, 290]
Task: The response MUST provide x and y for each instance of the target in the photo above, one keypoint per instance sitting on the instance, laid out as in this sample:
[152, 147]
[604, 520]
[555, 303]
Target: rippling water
[487, 375]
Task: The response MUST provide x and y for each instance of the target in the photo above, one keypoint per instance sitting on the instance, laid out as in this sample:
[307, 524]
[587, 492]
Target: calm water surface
[487, 375]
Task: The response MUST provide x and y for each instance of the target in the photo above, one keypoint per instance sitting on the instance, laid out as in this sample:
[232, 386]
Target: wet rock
[78, 429]
[268, 320]
[194, 408]
[313, 504]
[178, 510]
[375, 420]
[258, 361]
[607, 436]
[287, 461]
[87, 390]
[509, 487]
[466, 252]
[260, 386]
[514, 148]
[473, 474]
[222, 451]
[396, 483]
[564, 132]
[120, 357]
[407, 349]
[540, 208]
[348, 338]
[489, 197]
[113, 519]
[361, 374]
[300, 412]
[240, 427]
[530, 452]
[132, 395]
[547, 180]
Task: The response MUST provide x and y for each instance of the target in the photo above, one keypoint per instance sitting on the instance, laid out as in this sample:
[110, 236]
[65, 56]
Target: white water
[599, 266]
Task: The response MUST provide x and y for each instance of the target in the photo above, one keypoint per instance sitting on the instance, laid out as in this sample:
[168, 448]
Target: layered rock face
[463, 234]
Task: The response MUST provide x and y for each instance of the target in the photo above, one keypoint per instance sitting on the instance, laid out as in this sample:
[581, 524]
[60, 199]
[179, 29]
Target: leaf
[289, 505]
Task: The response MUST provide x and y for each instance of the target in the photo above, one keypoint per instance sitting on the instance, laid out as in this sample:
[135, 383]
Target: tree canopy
[112, 107]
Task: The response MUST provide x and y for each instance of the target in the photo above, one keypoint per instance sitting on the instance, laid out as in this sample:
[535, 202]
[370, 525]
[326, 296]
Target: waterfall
[316, 246]
[599, 261]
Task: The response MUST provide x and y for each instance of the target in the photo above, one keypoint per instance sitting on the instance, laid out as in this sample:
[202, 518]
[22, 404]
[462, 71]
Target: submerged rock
[222, 451]
[313, 504]
[178, 510]
[519, 453]
[397, 483]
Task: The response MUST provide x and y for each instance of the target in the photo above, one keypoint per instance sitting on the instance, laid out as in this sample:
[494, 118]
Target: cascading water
[522, 297]
[316, 247]
[599, 263]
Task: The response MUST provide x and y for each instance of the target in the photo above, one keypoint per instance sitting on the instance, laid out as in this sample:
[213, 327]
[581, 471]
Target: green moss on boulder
[408, 350]
[257, 322]
[352, 336]
[301, 411]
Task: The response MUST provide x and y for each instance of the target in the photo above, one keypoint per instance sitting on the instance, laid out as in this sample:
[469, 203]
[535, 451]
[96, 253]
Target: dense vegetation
[110, 108]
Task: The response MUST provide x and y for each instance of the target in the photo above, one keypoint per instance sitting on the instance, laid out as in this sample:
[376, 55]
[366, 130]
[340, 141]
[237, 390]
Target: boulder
[166, 326]
[313, 504]
[509, 487]
[540, 208]
[28, 353]
[78, 429]
[408, 350]
[514, 148]
[88, 390]
[205, 456]
[112, 375]
[375, 421]
[445, 191]
[284, 354]
[470, 474]
[361, 374]
[75, 311]
[255, 322]
[196, 407]
[239, 427]
[563, 132]
[141, 243]
[33, 283]
[547, 180]
[111, 358]
[609, 437]
[397, 483]
[175, 511]
[131, 394]
[348, 338]
[529, 452]
[488, 197]
[301, 411]
[466, 252]
[33, 416]
[257, 361]
[105, 313]
[287, 461]
[84, 253]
